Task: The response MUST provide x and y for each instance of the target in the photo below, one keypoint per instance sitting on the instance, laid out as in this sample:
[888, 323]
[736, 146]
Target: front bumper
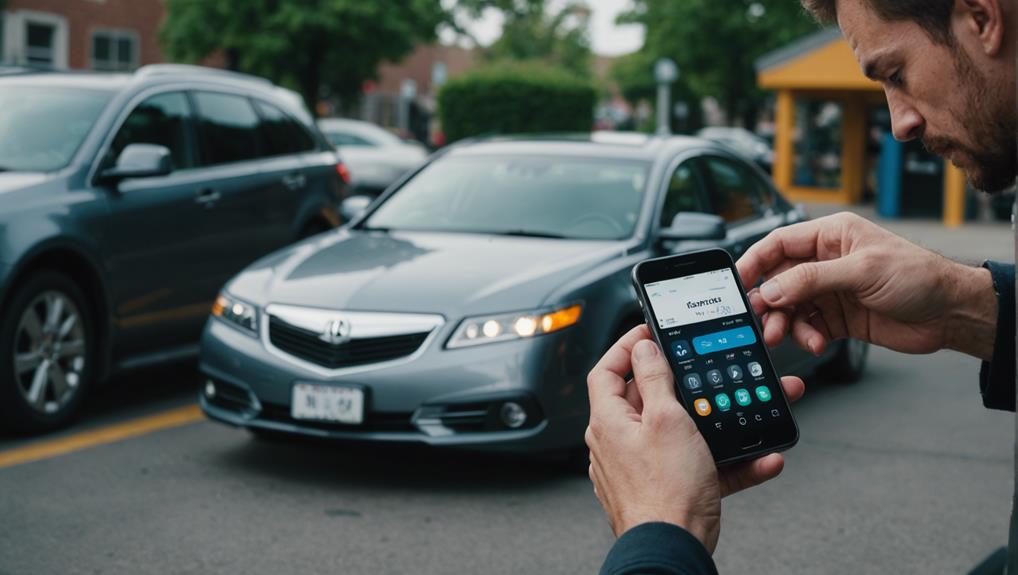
[439, 397]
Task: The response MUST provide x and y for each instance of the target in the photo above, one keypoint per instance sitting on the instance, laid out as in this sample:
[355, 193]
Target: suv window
[164, 120]
[229, 128]
[734, 194]
[685, 194]
[280, 134]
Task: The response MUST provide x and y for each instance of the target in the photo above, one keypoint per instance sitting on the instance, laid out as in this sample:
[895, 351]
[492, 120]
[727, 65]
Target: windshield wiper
[531, 234]
[382, 229]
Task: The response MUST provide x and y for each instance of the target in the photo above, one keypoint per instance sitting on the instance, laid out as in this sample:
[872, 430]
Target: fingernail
[645, 349]
[771, 291]
[814, 345]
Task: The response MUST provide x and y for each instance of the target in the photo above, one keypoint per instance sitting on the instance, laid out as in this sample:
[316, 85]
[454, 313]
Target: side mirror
[140, 161]
[694, 226]
[353, 207]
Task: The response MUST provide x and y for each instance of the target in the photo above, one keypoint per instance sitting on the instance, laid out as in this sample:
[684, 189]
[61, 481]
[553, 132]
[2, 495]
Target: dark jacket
[664, 549]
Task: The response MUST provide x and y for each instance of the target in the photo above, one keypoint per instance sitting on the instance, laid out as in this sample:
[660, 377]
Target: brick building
[81, 34]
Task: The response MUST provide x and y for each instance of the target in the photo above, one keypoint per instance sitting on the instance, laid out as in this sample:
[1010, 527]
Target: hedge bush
[515, 99]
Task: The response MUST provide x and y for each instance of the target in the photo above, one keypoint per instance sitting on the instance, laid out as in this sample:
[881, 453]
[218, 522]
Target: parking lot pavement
[904, 472]
[970, 243]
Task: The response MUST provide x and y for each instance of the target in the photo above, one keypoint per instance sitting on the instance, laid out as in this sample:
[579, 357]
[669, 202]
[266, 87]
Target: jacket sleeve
[658, 549]
[997, 377]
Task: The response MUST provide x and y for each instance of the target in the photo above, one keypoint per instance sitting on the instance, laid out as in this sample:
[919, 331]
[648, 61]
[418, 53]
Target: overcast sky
[607, 39]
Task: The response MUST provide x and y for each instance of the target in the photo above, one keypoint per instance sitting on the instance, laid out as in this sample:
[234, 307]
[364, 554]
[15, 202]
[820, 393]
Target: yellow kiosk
[825, 108]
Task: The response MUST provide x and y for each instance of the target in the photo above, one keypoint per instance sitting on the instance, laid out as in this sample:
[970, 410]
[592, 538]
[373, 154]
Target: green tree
[634, 75]
[716, 44]
[312, 45]
[532, 32]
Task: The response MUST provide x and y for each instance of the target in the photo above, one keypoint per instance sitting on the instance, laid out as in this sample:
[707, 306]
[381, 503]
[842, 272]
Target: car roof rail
[184, 69]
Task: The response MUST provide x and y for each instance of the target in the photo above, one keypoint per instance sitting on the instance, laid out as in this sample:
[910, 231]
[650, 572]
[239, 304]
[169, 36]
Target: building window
[818, 144]
[33, 38]
[114, 50]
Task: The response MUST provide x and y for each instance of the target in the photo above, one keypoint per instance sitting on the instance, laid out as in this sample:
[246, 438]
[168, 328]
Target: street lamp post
[666, 72]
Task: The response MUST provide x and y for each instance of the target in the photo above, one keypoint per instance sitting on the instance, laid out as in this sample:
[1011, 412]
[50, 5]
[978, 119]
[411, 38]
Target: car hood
[444, 273]
[10, 181]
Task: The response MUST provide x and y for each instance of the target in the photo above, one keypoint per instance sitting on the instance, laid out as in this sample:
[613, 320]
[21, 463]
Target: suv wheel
[46, 349]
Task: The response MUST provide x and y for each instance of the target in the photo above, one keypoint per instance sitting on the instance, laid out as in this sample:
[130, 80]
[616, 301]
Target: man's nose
[906, 122]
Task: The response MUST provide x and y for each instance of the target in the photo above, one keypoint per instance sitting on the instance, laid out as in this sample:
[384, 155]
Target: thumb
[810, 280]
[652, 374]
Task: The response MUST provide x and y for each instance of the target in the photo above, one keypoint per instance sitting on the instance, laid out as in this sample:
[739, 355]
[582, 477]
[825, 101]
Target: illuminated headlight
[510, 326]
[238, 313]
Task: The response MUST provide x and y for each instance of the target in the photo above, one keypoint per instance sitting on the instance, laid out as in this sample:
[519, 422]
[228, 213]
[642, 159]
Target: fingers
[653, 375]
[807, 335]
[798, 241]
[794, 388]
[811, 280]
[745, 475]
[607, 380]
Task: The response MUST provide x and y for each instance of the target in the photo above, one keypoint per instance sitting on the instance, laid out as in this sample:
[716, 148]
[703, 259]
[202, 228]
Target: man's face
[952, 97]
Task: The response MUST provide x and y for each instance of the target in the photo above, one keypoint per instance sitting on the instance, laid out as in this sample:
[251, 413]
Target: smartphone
[697, 309]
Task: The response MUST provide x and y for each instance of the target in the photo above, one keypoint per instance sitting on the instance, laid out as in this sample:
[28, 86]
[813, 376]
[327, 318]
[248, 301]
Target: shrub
[515, 99]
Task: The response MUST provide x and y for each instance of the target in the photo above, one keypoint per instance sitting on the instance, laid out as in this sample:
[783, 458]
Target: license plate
[327, 403]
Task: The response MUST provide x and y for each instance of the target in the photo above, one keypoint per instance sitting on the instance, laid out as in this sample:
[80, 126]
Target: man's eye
[895, 78]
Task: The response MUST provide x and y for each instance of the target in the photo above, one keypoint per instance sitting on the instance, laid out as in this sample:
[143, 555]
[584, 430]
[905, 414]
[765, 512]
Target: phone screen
[722, 368]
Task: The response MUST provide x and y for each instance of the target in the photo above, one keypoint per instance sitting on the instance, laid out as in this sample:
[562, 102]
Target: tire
[47, 354]
[848, 364]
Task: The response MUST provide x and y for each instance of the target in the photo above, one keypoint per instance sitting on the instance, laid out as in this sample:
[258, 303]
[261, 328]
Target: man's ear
[984, 19]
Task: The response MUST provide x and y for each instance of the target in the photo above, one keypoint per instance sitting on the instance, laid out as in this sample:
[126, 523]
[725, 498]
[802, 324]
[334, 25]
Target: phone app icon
[763, 394]
[755, 369]
[735, 372]
[702, 407]
[692, 381]
[681, 349]
[714, 377]
[742, 397]
[722, 401]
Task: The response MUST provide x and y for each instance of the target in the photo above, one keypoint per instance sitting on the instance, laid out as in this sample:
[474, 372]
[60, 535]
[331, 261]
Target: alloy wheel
[49, 352]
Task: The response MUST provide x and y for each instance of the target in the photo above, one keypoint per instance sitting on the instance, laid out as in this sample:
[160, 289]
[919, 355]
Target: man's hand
[648, 462]
[844, 276]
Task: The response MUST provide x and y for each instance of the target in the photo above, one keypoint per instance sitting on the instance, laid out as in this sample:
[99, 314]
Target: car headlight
[509, 326]
[236, 313]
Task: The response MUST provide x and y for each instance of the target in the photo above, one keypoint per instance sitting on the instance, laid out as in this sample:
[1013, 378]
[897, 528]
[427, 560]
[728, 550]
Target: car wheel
[47, 346]
[848, 364]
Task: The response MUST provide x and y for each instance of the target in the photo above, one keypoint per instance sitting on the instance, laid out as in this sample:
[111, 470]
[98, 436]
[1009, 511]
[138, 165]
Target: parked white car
[375, 156]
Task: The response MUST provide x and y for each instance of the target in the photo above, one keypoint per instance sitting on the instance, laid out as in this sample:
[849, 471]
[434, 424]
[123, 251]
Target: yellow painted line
[112, 433]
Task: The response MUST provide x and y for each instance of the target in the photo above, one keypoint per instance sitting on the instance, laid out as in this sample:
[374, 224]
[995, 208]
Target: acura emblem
[336, 332]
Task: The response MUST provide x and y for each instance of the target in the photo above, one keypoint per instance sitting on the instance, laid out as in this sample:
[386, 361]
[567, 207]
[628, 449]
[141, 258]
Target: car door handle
[207, 197]
[294, 181]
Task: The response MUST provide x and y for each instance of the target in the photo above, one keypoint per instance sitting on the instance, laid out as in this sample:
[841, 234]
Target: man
[948, 71]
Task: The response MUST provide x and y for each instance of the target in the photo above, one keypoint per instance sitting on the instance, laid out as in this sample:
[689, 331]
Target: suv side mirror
[353, 207]
[695, 226]
[140, 161]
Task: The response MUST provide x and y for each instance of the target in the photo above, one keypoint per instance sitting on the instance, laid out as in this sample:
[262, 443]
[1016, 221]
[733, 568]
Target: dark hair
[933, 16]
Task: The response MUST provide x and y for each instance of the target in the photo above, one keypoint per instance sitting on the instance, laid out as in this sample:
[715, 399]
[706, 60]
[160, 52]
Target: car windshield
[560, 197]
[42, 127]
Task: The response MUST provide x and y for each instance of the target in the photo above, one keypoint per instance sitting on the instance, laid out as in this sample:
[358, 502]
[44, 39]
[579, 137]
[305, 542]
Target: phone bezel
[690, 263]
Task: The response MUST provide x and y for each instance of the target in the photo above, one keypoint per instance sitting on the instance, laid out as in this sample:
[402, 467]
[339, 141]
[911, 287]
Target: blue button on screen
[722, 340]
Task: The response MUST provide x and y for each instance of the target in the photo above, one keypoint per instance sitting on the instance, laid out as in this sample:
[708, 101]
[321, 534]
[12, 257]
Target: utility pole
[666, 72]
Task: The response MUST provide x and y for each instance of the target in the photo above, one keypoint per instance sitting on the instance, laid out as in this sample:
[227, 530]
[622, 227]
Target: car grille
[306, 344]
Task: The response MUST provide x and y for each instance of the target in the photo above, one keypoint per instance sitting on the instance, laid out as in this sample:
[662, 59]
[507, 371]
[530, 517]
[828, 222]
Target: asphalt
[904, 472]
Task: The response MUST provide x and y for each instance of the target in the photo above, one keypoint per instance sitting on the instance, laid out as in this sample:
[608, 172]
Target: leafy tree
[311, 45]
[531, 32]
[716, 44]
[634, 75]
